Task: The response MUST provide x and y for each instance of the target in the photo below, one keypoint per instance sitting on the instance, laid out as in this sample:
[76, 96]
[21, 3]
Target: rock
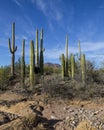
[40, 127]
[3, 119]
[85, 125]
[39, 108]
[15, 125]
[23, 123]
[30, 119]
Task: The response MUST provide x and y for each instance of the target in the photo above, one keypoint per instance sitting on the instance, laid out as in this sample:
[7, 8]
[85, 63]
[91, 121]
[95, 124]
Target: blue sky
[81, 19]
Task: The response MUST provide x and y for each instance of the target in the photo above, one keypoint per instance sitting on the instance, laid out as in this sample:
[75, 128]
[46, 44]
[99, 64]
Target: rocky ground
[39, 112]
[56, 107]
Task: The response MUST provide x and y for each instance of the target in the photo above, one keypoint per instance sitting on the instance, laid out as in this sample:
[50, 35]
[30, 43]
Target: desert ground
[50, 107]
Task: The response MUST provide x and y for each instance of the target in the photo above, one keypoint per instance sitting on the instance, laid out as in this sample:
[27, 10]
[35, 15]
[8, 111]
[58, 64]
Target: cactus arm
[15, 49]
[9, 44]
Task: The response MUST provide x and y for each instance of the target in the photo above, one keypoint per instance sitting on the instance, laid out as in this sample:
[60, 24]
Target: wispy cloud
[92, 46]
[18, 3]
[92, 50]
[51, 9]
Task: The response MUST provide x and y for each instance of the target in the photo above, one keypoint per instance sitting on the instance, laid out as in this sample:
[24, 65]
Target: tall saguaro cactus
[37, 50]
[66, 59]
[32, 65]
[63, 65]
[72, 66]
[41, 53]
[79, 50]
[83, 67]
[23, 62]
[12, 48]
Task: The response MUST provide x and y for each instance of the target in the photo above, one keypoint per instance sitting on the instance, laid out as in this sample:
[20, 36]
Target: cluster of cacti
[64, 61]
[68, 64]
[39, 62]
[36, 58]
[12, 49]
[66, 71]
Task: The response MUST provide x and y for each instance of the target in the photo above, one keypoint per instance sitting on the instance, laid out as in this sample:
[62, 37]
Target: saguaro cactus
[72, 66]
[32, 65]
[37, 50]
[41, 53]
[83, 67]
[23, 62]
[66, 59]
[12, 48]
[63, 65]
[79, 50]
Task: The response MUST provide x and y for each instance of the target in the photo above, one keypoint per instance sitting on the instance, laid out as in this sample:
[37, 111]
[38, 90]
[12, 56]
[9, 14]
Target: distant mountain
[49, 64]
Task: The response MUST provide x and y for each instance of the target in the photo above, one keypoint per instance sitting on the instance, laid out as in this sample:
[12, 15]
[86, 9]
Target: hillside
[49, 64]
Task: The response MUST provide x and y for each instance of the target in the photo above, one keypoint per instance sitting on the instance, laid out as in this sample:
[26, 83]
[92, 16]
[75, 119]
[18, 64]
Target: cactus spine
[32, 65]
[63, 66]
[12, 48]
[72, 66]
[23, 63]
[66, 59]
[41, 53]
[83, 68]
[37, 49]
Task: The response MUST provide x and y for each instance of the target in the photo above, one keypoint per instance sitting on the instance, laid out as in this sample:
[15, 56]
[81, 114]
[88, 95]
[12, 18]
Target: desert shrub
[51, 70]
[69, 89]
[18, 67]
[4, 76]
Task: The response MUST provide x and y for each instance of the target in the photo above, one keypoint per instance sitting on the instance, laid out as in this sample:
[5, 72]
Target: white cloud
[92, 46]
[56, 52]
[50, 9]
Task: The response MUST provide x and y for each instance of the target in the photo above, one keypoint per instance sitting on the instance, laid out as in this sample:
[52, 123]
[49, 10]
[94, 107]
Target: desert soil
[39, 112]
